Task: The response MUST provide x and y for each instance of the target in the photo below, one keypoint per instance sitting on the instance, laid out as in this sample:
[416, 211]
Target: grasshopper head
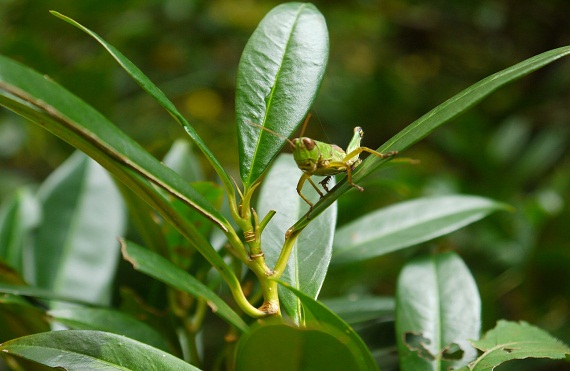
[358, 130]
[304, 155]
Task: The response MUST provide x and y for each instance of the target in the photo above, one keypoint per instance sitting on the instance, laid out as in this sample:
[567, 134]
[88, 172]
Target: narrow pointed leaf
[511, 340]
[310, 258]
[79, 350]
[41, 100]
[438, 310]
[318, 312]
[156, 93]
[279, 75]
[438, 116]
[407, 224]
[108, 320]
[161, 269]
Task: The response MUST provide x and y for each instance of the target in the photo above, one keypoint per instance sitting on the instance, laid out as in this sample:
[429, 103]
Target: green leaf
[511, 340]
[437, 310]
[39, 99]
[92, 350]
[317, 312]
[36, 292]
[407, 224]
[19, 215]
[156, 93]
[279, 75]
[280, 347]
[358, 309]
[75, 247]
[438, 116]
[309, 260]
[109, 320]
[154, 265]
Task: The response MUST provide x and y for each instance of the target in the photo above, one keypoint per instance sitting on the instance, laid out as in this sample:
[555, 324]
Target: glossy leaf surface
[279, 75]
[310, 258]
[360, 309]
[438, 310]
[79, 350]
[512, 340]
[407, 224]
[161, 269]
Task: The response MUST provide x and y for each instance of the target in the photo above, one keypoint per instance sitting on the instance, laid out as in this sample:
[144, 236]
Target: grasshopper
[324, 159]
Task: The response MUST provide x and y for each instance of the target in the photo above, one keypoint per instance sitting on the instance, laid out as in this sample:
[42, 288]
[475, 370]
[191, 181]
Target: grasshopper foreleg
[302, 180]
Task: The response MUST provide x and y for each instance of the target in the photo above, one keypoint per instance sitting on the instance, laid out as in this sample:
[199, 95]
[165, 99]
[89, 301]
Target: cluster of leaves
[186, 233]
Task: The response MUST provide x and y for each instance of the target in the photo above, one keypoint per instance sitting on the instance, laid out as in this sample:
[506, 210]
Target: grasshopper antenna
[272, 132]
[305, 124]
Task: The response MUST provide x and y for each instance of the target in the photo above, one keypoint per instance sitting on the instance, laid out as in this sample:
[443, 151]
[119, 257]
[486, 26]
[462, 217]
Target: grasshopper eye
[359, 130]
[294, 143]
[309, 143]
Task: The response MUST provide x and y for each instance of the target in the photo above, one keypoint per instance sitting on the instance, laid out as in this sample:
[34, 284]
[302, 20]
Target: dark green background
[390, 62]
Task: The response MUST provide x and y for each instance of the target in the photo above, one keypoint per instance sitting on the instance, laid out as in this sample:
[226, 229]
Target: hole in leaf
[417, 343]
[452, 352]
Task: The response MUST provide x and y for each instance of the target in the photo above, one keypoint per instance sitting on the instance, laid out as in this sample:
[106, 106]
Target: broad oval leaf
[438, 309]
[438, 116]
[279, 75]
[156, 266]
[79, 350]
[407, 224]
[319, 313]
[512, 340]
[281, 347]
[75, 248]
[309, 261]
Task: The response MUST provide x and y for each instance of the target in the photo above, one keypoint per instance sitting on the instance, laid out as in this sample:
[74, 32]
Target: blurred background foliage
[391, 61]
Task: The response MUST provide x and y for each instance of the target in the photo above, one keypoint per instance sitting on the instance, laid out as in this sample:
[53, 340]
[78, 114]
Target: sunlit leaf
[511, 340]
[279, 75]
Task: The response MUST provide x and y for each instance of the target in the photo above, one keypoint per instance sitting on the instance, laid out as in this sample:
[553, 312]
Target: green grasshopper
[324, 159]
